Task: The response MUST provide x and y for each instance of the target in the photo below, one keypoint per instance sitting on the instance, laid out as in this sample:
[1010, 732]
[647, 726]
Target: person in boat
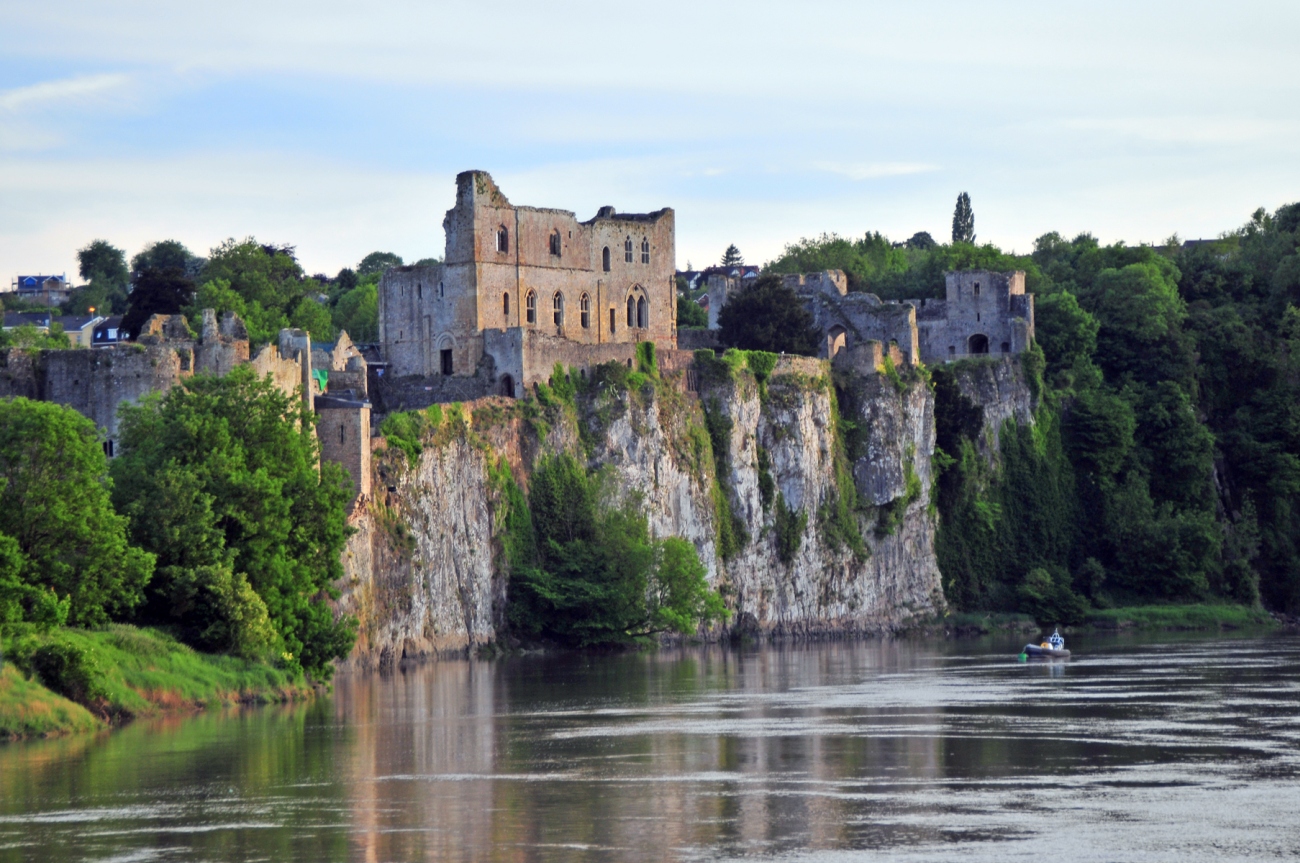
[1057, 642]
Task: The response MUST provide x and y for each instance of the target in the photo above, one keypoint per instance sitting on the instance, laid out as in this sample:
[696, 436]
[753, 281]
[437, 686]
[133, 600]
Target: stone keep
[522, 288]
[983, 313]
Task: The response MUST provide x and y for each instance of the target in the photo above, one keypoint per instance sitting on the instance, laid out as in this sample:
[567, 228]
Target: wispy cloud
[875, 170]
[49, 93]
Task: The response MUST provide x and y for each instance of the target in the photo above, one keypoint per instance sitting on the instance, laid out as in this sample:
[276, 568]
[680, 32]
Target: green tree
[220, 478]
[357, 311]
[28, 336]
[259, 274]
[157, 292]
[963, 220]
[315, 318]
[690, 315]
[376, 262]
[163, 255]
[768, 316]
[54, 504]
[103, 267]
[732, 257]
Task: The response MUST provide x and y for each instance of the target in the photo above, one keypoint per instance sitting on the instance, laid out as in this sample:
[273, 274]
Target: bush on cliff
[768, 316]
[585, 572]
[64, 555]
[220, 479]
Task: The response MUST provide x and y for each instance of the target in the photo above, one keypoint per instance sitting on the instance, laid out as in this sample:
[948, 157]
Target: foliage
[584, 571]
[376, 262]
[732, 535]
[407, 430]
[357, 311]
[121, 672]
[963, 220]
[219, 478]
[28, 336]
[788, 527]
[28, 709]
[164, 255]
[767, 316]
[103, 267]
[690, 315]
[157, 292]
[732, 257]
[55, 507]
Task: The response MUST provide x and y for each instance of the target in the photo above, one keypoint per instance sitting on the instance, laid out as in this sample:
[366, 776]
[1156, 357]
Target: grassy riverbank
[70, 680]
[1144, 617]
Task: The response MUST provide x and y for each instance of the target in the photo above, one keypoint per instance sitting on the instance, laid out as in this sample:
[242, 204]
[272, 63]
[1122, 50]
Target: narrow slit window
[641, 316]
[584, 307]
[503, 239]
[557, 305]
[555, 243]
[505, 305]
[612, 320]
[631, 311]
[530, 307]
[604, 259]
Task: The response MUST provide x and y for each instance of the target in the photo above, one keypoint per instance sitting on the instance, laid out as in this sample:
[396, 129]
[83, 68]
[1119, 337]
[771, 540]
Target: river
[1155, 749]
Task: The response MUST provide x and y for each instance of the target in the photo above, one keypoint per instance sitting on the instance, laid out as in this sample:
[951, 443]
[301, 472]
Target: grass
[28, 709]
[123, 672]
[1200, 616]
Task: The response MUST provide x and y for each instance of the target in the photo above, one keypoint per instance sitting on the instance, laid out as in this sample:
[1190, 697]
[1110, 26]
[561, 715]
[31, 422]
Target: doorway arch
[977, 344]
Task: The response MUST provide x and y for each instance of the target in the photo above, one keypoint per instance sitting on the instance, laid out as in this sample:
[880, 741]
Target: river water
[1169, 750]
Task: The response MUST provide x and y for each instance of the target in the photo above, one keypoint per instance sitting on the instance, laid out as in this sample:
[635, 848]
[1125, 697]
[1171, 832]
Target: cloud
[875, 170]
[49, 93]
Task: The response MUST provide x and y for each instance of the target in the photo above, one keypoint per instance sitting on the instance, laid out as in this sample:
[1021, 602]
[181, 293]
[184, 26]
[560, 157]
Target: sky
[339, 127]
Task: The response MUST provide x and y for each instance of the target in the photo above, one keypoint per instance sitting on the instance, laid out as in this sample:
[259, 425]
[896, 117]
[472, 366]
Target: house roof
[19, 319]
[77, 322]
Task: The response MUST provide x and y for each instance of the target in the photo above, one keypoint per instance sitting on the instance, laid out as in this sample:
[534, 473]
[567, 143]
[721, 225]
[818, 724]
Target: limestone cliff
[810, 522]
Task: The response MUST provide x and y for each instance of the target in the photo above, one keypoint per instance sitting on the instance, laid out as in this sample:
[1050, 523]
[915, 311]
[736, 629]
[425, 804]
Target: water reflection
[1176, 750]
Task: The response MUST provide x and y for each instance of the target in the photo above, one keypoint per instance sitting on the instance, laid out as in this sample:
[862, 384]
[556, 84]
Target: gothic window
[631, 311]
[584, 306]
[604, 259]
[557, 304]
[627, 250]
[530, 307]
[641, 313]
[555, 243]
[503, 239]
[505, 306]
[645, 250]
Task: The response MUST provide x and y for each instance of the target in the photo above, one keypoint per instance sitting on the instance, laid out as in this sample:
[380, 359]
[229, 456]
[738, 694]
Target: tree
[768, 316]
[377, 262]
[690, 315]
[311, 316]
[165, 254]
[426, 262]
[157, 292]
[732, 257]
[267, 275]
[963, 221]
[357, 312]
[220, 478]
[103, 267]
[921, 241]
[54, 504]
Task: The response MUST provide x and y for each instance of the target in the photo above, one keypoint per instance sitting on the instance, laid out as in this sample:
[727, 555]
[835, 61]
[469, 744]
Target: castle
[983, 313]
[522, 288]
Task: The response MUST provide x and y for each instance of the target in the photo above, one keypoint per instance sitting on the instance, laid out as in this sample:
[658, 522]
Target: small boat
[1052, 648]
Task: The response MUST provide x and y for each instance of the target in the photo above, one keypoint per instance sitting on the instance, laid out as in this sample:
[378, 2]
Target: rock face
[835, 534]
[999, 389]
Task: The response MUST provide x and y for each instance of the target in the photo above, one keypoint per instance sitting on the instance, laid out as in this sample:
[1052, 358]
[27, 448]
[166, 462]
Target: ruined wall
[439, 587]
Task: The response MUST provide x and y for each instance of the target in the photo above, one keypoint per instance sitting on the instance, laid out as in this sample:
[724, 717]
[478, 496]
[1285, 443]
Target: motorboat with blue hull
[1052, 648]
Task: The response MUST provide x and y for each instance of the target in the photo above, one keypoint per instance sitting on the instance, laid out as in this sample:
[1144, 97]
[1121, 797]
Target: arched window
[977, 344]
[836, 338]
[555, 243]
[557, 304]
[503, 239]
[604, 259]
[507, 386]
[505, 305]
[641, 313]
[645, 250]
[631, 311]
[584, 306]
[627, 250]
[530, 307]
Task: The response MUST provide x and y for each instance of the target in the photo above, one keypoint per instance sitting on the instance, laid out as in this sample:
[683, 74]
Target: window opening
[555, 243]
[419, 291]
[611, 321]
[530, 307]
[631, 312]
[627, 250]
[645, 250]
[505, 305]
[604, 259]
[341, 434]
[503, 239]
[441, 293]
[977, 289]
[557, 304]
[507, 386]
[640, 312]
[584, 307]
[1006, 347]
